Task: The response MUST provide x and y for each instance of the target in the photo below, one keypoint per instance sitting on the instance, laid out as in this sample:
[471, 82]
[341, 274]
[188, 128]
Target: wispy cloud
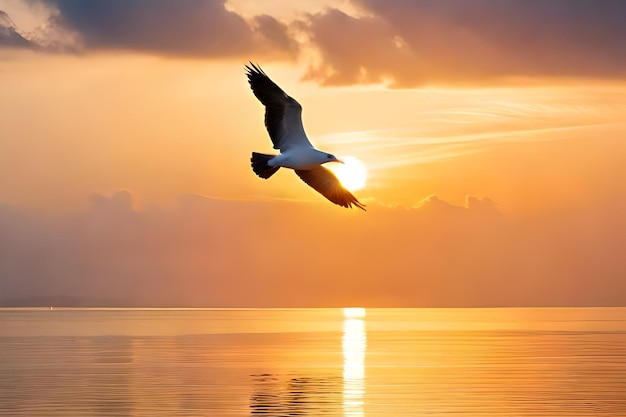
[455, 128]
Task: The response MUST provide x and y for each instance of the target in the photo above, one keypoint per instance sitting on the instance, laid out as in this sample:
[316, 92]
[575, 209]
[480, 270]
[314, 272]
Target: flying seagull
[283, 120]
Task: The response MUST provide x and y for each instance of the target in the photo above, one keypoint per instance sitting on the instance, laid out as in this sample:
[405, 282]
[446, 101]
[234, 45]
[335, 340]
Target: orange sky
[497, 182]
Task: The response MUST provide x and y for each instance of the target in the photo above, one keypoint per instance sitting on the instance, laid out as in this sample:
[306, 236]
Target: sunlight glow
[354, 312]
[352, 173]
[354, 346]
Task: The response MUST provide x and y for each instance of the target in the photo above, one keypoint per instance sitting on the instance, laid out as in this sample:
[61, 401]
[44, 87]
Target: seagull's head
[332, 158]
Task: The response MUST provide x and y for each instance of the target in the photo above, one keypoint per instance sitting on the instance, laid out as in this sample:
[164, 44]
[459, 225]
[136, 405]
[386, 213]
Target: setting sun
[352, 173]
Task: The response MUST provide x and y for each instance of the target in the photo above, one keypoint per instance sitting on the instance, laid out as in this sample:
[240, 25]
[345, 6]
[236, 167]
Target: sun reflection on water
[354, 346]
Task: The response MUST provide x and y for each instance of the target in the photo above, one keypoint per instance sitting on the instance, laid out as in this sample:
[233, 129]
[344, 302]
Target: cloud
[207, 252]
[418, 42]
[276, 32]
[10, 37]
[191, 28]
[405, 43]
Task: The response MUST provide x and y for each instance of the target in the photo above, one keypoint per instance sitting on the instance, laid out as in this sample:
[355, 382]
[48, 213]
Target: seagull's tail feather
[260, 165]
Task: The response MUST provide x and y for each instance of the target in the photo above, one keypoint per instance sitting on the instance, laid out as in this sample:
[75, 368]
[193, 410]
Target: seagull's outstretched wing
[327, 184]
[283, 114]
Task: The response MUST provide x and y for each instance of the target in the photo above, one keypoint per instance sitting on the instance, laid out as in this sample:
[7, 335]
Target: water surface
[313, 362]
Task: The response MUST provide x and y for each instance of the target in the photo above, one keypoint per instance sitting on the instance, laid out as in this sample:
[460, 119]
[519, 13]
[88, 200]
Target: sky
[493, 133]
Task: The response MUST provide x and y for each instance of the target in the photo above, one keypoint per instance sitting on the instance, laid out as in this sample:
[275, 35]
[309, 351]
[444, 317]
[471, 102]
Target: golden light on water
[352, 173]
[354, 346]
[354, 312]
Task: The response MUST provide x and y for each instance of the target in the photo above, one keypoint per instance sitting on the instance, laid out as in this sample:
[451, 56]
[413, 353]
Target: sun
[352, 173]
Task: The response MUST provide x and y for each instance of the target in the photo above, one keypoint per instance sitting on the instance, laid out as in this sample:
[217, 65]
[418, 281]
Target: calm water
[313, 362]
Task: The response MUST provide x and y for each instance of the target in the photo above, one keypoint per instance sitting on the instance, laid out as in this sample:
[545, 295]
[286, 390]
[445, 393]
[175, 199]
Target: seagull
[283, 120]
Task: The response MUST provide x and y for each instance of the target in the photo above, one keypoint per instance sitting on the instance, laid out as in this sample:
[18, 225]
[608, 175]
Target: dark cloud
[404, 43]
[207, 252]
[201, 28]
[9, 36]
[416, 42]
[275, 32]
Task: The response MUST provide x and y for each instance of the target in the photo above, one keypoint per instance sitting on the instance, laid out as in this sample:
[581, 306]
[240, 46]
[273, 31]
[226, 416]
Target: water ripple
[389, 363]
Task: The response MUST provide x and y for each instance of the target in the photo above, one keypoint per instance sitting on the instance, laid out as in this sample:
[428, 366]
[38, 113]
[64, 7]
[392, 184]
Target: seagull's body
[283, 120]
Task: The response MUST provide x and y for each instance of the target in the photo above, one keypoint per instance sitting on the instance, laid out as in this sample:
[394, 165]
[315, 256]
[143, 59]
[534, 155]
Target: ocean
[313, 362]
